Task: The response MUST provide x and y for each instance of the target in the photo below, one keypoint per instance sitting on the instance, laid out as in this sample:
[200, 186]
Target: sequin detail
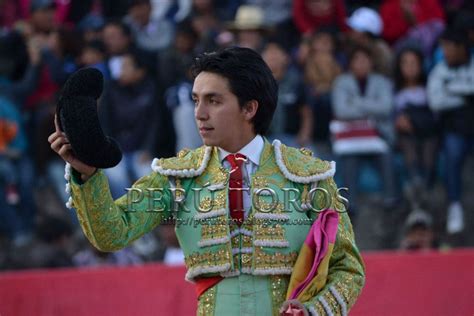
[207, 302]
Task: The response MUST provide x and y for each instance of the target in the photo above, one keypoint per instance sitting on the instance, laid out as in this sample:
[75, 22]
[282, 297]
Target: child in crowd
[94, 55]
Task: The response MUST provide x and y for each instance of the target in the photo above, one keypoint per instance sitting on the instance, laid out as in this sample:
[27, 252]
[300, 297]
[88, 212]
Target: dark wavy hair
[398, 76]
[249, 79]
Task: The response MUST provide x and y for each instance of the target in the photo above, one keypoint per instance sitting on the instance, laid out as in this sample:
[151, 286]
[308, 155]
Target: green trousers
[244, 295]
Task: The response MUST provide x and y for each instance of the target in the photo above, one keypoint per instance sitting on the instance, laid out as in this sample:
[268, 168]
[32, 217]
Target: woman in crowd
[362, 103]
[415, 123]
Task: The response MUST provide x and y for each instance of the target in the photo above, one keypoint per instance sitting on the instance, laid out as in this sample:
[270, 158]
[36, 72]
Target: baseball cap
[366, 20]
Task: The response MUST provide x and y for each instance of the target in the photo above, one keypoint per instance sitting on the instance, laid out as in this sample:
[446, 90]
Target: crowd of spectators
[366, 83]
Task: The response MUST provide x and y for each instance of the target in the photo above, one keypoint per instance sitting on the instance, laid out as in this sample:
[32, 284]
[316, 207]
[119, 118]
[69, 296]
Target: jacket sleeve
[462, 84]
[379, 102]
[111, 225]
[342, 100]
[439, 98]
[346, 274]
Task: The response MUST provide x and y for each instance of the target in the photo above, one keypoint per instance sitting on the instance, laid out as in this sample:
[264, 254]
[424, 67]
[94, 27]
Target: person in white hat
[366, 20]
[366, 28]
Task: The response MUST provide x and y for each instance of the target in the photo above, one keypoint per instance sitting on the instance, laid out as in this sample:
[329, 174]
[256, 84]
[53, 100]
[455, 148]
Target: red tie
[236, 201]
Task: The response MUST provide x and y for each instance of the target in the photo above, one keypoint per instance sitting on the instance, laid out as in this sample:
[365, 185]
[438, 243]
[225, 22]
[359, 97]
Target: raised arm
[111, 225]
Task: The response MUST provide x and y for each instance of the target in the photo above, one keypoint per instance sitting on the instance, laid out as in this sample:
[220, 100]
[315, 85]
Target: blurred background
[384, 88]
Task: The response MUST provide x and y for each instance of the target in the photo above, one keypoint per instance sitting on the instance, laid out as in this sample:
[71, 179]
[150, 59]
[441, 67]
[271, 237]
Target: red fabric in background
[307, 23]
[397, 284]
[395, 25]
[435, 284]
[144, 290]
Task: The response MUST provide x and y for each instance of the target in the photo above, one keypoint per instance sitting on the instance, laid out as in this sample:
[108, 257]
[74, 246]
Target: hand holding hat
[77, 117]
[60, 144]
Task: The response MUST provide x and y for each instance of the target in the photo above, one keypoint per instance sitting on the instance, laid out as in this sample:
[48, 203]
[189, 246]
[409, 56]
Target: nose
[200, 112]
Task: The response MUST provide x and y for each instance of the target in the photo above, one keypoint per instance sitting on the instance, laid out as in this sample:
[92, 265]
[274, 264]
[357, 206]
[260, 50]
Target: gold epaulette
[298, 165]
[187, 164]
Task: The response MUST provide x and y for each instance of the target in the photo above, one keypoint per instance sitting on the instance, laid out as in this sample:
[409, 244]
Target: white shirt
[252, 151]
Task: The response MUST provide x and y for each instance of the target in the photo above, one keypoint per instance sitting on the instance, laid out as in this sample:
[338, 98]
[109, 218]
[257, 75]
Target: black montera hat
[77, 116]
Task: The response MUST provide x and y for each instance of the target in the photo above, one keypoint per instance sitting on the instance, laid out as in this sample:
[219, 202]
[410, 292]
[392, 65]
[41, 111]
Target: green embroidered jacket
[192, 190]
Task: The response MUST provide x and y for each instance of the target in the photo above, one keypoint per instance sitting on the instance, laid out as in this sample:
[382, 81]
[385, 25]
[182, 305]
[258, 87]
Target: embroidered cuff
[73, 177]
[67, 177]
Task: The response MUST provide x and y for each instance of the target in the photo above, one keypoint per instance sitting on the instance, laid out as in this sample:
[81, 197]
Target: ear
[250, 109]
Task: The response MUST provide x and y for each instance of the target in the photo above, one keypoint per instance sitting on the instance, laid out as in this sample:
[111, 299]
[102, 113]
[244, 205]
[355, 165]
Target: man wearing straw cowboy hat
[249, 27]
[261, 225]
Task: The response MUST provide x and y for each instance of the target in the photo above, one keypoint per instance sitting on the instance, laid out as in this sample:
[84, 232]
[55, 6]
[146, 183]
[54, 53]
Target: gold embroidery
[301, 164]
[306, 151]
[304, 194]
[276, 232]
[220, 175]
[213, 231]
[203, 259]
[259, 182]
[189, 160]
[207, 302]
[246, 258]
[206, 204]
[179, 192]
[216, 227]
[348, 286]
[274, 260]
[217, 173]
[183, 152]
[349, 281]
[336, 309]
[236, 260]
[220, 200]
[267, 170]
[268, 207]
[344, 292]
[246, 241]
[243, 261]
[215, 201]
[278, 288]
[111, 225]
[319, 308]
[267, 176]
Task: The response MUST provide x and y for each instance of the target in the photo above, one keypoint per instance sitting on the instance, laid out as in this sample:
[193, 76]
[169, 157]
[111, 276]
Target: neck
[461, 61]
[361, 77]
[239, 143]
[411, 83]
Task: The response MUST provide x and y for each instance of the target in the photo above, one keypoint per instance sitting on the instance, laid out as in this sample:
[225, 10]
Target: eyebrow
[208, 95]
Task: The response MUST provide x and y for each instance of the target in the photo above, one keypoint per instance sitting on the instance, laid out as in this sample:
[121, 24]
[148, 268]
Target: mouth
[205, 130]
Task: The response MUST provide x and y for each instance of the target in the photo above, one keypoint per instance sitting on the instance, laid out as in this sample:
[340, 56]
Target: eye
[214, 101]
[195, 101]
